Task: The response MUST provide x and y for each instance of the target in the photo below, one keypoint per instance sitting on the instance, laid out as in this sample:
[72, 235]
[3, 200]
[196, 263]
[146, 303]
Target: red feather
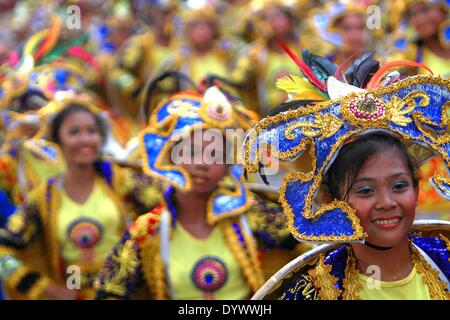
[303, 67]
[376, 78]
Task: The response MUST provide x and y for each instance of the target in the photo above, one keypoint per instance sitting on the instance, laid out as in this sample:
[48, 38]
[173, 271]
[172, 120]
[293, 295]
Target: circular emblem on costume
[218, 112]
[85, 233]
[367, 107]
[365, 110]
[209, 274]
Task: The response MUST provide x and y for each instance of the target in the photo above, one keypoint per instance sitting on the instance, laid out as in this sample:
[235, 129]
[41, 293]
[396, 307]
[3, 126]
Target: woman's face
[201, 32]
[278, 20]
[352, 30]
[204, 160]
[426, 19]
[384, 197]
[80, 138]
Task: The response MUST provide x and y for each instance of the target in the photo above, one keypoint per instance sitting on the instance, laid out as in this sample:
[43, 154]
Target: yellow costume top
[410, 288]
[87, 231]
[51, 232]
[437, 64]
[200, 66]
[215, 61]
[225, 265]
[204, 268]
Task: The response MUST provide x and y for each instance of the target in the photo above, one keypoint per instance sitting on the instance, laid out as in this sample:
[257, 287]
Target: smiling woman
[361, 192]
[74, 218]
[375, 175]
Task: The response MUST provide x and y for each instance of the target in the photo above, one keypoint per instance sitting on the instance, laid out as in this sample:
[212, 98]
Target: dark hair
[68, 110]
[352, 157]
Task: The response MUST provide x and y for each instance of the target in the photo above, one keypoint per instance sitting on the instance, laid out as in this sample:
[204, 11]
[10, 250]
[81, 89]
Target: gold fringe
[430, 276]
[324, 280]
[153, 267]
[38, 288]
[351, 284]
[447, 242]
[252, 275]
[15, 278]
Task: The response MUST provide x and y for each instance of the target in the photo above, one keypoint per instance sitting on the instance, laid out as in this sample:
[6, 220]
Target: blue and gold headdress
[324, 20]
[178, 116]
[414, 109]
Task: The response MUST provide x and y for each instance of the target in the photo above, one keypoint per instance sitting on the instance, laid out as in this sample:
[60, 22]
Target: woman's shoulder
[316, 275]
[437, 248]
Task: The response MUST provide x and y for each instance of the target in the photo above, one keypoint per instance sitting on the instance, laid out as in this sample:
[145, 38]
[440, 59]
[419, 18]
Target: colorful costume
[50, 233]
[412, 109]
[257, 66]
[323, 23]
[157, 258]
[197, 66]
[407, 45]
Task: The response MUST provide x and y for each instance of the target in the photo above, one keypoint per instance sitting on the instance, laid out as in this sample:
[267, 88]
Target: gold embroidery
[308, 212]
[16, 223]
[38, 288]
[430, 276]
[247, 259]
[128, 261]
[153, 266]
[304, 286]
[308, 291]
[252, 156]
[395, 106]
[436, 287]
[447, 241]
[324, 281]
[237, 193]
[324, 125]
[350, 284]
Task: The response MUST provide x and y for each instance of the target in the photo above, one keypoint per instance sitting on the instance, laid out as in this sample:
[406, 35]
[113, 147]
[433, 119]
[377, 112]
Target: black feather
[361, 70]
[322, 67]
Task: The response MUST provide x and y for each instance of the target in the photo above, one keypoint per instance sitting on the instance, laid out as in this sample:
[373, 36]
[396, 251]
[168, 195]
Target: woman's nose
[385, 201]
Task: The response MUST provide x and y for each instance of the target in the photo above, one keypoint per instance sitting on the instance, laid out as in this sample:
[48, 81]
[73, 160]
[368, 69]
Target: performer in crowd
[204, 240]
[262, 62]
[203, 52]
[423, 34]
[71, 221]
[136, 60]
[343, 32]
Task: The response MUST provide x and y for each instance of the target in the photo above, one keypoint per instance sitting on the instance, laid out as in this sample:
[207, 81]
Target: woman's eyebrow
[395, 175]
[364, 179]
[399, 174]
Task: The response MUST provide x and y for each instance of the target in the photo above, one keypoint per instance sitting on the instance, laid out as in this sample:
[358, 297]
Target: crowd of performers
[106, 192]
